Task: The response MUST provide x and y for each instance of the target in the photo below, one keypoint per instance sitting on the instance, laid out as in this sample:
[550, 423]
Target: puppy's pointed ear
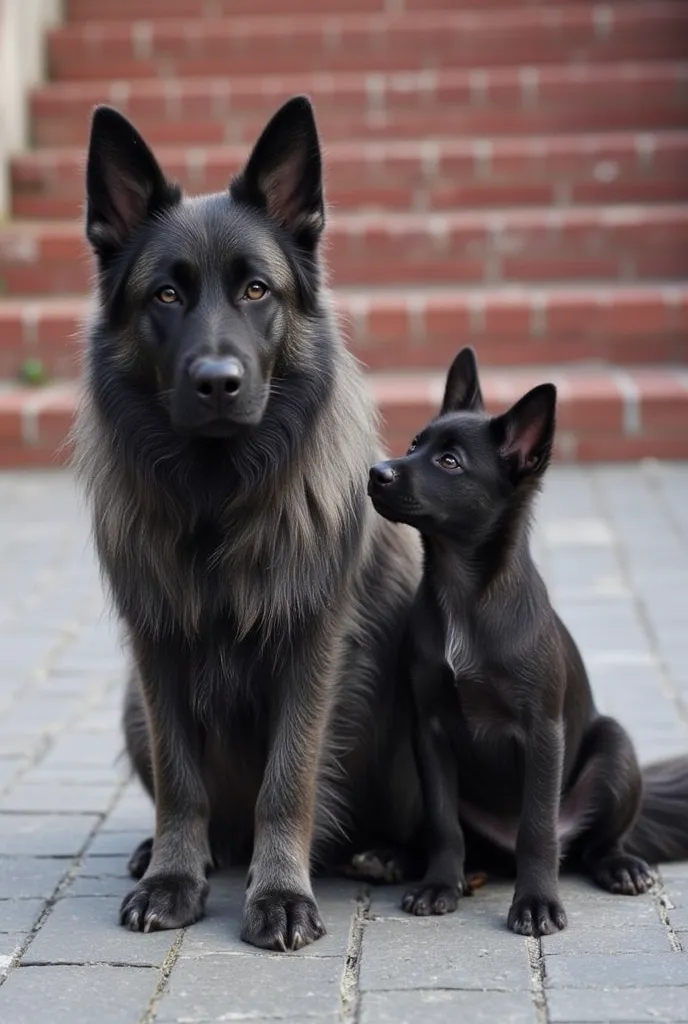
[124, 183]
[462, 391]
[283, 175]
[525, 433]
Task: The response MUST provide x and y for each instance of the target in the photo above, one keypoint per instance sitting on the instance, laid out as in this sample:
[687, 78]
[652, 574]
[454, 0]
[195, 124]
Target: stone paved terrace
[613, 542]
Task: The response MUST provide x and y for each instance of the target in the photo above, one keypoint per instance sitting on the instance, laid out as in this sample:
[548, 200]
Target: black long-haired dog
[224, 439]
[508, 737]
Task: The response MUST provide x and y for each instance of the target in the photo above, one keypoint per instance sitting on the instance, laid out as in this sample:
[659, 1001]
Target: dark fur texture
[224, 440]
[509, 740]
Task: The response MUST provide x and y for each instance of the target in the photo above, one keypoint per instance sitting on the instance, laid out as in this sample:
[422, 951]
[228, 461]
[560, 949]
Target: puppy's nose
[215, 380]
[383, 474]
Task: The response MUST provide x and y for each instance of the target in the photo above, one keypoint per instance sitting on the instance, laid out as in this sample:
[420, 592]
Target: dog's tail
[660, 833]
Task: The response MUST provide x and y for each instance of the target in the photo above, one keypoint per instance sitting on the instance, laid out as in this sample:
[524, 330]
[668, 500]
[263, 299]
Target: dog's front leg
[280, 911]
[444, 882]
[536, 908]
[173, 890]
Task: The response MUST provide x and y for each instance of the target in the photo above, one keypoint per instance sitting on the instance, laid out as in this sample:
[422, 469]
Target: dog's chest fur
[479, 674]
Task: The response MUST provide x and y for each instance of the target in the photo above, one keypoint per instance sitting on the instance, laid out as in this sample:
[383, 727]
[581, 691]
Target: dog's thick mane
[144, 480]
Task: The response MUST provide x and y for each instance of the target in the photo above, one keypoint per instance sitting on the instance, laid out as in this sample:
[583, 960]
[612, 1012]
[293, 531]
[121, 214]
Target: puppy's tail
[660, 833]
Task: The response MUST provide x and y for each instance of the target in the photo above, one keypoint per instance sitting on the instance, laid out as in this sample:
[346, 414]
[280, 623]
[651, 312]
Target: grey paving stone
[600, 938]
[19, 915]
[441, 1007]
[44, 797]
[235, 986]
[101, 885]
[76, 995]
[444, 953]
[81, 749]
[625, 1006]
[85, 931]
[121, 844]
[9, 769]
[71, 775]
[19, 744]
[598, 970]
[22, 877]
[44, 835]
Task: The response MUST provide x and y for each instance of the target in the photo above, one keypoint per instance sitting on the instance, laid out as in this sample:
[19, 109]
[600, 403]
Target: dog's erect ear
[283, 175]
[462, 391]
[525, 433]
[124, 183]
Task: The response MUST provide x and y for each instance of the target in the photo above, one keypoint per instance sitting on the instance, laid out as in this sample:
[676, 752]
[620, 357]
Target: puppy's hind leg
[383, 866]
[614, 776]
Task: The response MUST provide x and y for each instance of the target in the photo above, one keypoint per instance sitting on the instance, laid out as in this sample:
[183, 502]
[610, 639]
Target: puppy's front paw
[536, 915]
[164, 901]
[623, 874]
[434, 898]
[281, 921]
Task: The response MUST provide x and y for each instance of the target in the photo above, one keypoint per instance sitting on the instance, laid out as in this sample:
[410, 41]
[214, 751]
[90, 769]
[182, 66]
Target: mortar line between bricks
[86, 963]
[664, 675]
[150, 1013]
[536, 961]
[663, 903]
[66, 880]
[349, 992]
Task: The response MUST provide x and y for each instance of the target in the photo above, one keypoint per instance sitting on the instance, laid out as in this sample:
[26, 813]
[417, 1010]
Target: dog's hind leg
[610, 769]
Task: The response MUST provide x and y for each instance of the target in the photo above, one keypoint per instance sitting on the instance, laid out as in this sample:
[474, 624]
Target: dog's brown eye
[412, 446]
[255, 291]
[448, 461]
[167, 295]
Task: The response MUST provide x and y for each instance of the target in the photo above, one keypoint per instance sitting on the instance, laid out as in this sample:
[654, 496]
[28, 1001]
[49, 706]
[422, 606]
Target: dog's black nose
[215, 379]
[383, 474]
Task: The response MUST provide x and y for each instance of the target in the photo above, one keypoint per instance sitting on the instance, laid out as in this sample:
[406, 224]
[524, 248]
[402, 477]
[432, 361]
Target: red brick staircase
[504, 173]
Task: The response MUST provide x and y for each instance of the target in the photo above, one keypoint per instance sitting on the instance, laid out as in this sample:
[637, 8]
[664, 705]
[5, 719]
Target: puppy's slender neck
[468, 572]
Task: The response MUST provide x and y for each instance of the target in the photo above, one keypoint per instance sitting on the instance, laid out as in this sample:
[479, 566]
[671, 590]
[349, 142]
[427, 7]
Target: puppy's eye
[448, 461]
[167, 295]
[255, 291]
[412, 446]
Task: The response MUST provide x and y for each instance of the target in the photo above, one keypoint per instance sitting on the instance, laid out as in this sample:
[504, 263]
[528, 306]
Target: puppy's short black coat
[509, 741]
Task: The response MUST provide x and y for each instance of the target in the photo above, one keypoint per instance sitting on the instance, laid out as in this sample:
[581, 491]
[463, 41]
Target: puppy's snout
[383, 474]
[216, 380]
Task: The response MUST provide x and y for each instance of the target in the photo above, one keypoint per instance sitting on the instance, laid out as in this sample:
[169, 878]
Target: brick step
[132, 10]
[551, 170]
[418, 330]
[358, 42]
[623, 243]
[604, 413]
[445, 103]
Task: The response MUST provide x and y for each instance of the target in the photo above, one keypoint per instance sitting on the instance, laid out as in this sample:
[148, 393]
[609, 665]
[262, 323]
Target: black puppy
[508, 736]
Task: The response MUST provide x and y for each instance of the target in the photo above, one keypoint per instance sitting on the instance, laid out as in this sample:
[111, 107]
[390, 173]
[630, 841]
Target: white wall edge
[23, 24]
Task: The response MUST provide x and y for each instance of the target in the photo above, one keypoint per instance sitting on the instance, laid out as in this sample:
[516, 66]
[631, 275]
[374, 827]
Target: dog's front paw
[433, 898]
[623, 874]
[164, 901]
[281, 920]
[536, 915]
